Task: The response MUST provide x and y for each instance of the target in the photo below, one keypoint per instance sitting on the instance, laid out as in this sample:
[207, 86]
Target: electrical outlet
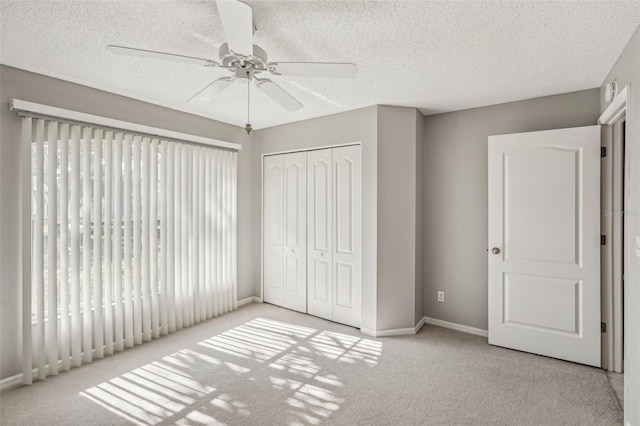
[441, 296]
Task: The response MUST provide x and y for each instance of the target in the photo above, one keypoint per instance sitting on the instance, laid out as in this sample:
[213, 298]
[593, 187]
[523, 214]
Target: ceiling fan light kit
[246, 61]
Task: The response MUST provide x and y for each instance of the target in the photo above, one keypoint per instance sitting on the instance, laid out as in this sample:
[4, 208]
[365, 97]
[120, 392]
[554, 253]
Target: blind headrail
[21, 106]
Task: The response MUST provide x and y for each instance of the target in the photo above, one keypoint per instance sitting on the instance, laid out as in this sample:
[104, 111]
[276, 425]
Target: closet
[312, 233]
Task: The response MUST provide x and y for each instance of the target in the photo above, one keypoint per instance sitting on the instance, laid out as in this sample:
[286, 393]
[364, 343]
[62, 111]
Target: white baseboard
[393, 331]
[11, 382]
[457, 327]
[16, 380]
[252, 299]
[388, 333]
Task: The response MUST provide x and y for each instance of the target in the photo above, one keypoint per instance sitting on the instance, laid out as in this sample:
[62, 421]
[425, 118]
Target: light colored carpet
[616, 380]
[264, 365]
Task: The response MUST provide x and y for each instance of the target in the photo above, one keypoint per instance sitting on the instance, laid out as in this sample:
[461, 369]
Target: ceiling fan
[246, 61]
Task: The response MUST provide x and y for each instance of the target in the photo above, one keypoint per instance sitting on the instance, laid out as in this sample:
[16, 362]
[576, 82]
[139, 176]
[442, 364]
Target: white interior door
[544, 243]
[295, 231]
[320, 233]
[347, 231]
[273, 229]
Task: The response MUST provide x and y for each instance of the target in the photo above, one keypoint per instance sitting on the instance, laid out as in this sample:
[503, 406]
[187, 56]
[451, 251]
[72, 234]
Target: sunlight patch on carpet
[215, 382]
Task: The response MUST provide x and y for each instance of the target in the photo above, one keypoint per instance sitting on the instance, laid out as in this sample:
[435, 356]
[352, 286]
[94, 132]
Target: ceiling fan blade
[313, 69]
[120, 50]
[278, 94]
[209, 92]
[237, 23]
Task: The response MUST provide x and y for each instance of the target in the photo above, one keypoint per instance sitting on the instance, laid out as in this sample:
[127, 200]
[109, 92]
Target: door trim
[612, 308]
[315, 148]
[617, 108]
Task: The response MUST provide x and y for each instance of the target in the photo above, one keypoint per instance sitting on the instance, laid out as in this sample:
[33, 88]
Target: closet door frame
[262, 157]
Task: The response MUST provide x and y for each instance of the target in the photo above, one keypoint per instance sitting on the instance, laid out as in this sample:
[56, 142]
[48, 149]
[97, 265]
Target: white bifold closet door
[334, 202]
[312, 232]
[285, 236]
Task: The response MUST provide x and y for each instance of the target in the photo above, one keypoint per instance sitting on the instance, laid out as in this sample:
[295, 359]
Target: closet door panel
[347, 176]
[295, 231]
[273, 229]
[344, 285]
[320, 233]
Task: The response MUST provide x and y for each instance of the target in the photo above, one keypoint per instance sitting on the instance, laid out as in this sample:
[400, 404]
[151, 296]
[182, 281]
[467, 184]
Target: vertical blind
[132, 237]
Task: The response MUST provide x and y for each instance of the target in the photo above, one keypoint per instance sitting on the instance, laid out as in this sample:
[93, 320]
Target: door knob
[495, 250]
[321, 254]
[293, 250]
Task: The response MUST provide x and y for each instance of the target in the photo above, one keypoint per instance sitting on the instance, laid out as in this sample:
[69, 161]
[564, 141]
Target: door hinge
[603, 240]
[603, 151]
[603, 327]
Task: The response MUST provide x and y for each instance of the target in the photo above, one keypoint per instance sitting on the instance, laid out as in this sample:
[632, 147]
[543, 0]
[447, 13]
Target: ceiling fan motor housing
[229, 59]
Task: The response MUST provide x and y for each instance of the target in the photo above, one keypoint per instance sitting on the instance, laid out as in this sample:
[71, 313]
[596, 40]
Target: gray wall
[455, 194]
[352, 126]
[627, 72]
[397, 182]
[27, 86]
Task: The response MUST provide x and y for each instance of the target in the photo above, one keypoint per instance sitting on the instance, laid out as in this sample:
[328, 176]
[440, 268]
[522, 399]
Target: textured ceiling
[437, 56]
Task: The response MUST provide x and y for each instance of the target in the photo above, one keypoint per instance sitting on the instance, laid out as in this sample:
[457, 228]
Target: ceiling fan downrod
[248, 126]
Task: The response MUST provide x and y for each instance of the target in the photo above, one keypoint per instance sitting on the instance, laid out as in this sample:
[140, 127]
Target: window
[132, 236]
